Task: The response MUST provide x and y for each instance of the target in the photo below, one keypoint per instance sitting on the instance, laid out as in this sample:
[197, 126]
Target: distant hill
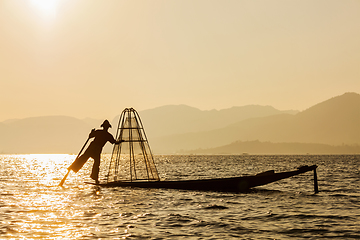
[335, 121]
[179, 119]
[257, 147]
[50, 134]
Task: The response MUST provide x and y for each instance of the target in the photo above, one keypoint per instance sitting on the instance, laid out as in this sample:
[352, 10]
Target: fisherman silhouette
[101, 137]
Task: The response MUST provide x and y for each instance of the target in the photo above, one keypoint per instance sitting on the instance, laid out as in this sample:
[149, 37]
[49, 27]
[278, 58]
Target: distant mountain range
[335, 121]
[180, 128]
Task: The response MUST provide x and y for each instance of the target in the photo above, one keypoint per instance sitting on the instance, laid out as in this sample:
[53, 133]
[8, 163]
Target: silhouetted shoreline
[257, 147]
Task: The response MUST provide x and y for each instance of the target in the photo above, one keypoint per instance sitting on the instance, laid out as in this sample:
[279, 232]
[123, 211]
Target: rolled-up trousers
[80, 161]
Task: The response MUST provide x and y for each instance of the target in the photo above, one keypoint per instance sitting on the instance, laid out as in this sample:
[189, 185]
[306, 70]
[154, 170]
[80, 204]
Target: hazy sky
[91, 58]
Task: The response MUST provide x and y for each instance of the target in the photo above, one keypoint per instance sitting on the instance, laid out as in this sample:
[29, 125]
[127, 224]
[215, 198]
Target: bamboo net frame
[132, 159]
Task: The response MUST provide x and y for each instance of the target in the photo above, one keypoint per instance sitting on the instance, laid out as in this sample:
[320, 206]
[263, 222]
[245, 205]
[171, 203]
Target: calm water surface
[33, 207]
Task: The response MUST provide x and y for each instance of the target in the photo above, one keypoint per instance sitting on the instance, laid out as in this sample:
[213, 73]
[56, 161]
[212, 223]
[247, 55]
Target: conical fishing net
[132, 158]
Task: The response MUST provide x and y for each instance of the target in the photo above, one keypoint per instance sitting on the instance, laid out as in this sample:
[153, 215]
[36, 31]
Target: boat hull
[234, 184]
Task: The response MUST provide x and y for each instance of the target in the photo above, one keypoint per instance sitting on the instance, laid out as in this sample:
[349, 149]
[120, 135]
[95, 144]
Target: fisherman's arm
[92, 133]
[113, 141]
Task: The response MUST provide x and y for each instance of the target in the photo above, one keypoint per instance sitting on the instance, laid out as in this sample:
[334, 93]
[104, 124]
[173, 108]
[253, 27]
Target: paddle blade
[64, 178]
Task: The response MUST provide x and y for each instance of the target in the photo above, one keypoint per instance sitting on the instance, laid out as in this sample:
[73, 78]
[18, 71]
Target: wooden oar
[64, 178]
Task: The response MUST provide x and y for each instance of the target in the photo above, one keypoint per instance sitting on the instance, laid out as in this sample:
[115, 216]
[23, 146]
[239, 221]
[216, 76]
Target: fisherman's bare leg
[95, 169]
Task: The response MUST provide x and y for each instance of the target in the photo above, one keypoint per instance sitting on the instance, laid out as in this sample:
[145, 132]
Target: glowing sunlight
[47, 8]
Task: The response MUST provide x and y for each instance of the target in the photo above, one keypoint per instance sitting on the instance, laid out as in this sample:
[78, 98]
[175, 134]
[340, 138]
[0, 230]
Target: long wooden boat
[233, 184]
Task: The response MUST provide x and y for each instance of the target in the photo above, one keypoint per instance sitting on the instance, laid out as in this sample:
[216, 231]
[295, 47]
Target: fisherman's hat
[106, 124]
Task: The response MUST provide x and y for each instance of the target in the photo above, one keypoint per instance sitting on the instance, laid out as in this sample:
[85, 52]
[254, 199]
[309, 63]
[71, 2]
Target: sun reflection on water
[42, 208]
[47, 168]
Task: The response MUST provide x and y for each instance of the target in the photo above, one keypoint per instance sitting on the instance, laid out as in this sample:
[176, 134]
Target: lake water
[33, 207]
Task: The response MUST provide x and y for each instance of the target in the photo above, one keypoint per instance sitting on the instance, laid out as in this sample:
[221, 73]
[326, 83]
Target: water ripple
[33, 207]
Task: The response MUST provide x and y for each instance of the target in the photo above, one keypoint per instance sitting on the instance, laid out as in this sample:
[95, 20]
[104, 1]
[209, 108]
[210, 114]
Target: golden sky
[91, 58]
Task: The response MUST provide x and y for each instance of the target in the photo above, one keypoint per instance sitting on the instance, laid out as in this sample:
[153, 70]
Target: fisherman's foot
[97, 181]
